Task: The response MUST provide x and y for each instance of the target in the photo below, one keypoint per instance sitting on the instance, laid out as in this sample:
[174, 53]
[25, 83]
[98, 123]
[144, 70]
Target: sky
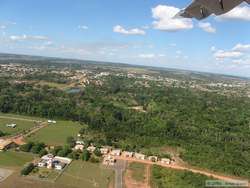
[141, 32]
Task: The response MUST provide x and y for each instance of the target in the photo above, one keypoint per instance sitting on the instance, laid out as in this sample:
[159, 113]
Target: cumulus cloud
[241, 47]
[28, 38]
[83, 27]
[238, 13]
[207, 27]
[239, 53]
[165, 21]
[134, 31]
[221, 54]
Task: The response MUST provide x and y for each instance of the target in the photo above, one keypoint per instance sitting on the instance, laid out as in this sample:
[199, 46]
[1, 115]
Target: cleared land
[21, 127]
[137, 175]
[83, 174]
[14, 159]
[56, 134]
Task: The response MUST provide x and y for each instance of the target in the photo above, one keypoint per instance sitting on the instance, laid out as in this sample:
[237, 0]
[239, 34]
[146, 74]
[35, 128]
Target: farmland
[56, 134]
[14, 159]
[82, 174]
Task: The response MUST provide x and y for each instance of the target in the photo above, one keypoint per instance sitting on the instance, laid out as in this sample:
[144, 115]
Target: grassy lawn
[84, 174]
[137, 171]
[14, 159]
[56, 134]
[45, 173]
[22, 125]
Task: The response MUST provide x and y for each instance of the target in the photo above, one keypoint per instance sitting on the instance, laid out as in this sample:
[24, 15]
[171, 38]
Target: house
[116, 152]
[91, 149]
[12, 125]
[42, 163]
[165, 161]
[128, 154]
[6, 144]
[79, 147]
[79, 142]
[140, 156]
[59, 165]
[63, 159]
[109, 160]
[153, 158]
[47, 157]
[105, 150]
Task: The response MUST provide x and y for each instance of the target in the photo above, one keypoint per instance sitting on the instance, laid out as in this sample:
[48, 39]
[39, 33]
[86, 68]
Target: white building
[116, 152]
[128, 154]
[12, 125]
[153, 158]
[140, 156]
[104, 150]
[79, 147]
[165, 161]
[91, 149]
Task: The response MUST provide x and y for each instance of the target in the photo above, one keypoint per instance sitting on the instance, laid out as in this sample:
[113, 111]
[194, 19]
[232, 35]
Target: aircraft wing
[201, 9]
[196, 10]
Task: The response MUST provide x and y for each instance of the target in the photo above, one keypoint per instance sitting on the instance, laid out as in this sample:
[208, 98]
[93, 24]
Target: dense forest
[212, 129]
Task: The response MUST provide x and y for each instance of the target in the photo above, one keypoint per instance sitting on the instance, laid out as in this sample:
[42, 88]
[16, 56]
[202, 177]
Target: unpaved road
[179, 167]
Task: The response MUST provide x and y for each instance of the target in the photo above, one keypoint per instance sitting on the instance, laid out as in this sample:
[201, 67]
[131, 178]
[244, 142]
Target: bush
[85, 155]
[27, 169]
[43, 152]
[27, 147]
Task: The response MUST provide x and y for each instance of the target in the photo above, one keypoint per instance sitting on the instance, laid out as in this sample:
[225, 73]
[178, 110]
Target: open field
[21, 117]
[137, 175]
[81, 174]
[14, 159]
[21, 127]
[137, 171]
[56, 134]
[163, 177]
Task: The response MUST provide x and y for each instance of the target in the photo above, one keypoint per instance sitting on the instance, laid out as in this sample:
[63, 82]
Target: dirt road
[179, 167]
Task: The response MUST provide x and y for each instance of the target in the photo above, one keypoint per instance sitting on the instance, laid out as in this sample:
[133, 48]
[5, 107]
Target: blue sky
[136, 32]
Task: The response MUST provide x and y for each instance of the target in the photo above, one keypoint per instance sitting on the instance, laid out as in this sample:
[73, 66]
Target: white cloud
[28, 38]
[146, 56]
[206, 26]
[122, 30]
[165, 20]
[221, 54]
[239, 53]
[238, 13]
[83, 27]
[241, 47]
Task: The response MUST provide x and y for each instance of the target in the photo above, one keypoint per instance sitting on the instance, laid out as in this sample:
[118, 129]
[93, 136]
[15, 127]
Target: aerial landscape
[109, 112]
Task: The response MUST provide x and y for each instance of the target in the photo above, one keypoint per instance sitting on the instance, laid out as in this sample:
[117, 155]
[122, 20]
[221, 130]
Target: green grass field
[138, 171]
[84, 174]
[22, 124]
[56, 134]
[14, 159]
[169, 178]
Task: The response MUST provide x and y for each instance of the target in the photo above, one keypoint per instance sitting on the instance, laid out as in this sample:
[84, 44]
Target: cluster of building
[109, 159]
[53, 162]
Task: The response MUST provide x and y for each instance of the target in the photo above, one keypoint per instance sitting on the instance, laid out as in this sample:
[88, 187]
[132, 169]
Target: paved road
[119, 168]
